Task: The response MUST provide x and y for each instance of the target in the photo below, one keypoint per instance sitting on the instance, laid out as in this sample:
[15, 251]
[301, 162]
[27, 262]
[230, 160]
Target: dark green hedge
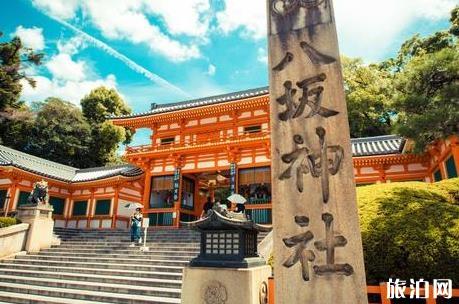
[8, 221]
[410, 230]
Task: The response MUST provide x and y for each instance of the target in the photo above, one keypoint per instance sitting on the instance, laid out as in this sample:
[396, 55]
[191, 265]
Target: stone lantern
[228, 259]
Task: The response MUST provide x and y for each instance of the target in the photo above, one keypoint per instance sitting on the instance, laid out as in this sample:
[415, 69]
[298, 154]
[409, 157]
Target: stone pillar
[40, 234]
[317, 243]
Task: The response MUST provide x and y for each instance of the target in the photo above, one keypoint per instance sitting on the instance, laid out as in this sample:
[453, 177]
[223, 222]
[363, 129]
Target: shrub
[410, 230]
[8, 221]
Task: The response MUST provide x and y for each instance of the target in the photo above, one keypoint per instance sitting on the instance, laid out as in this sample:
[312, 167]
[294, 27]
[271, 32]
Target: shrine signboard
[317, 243]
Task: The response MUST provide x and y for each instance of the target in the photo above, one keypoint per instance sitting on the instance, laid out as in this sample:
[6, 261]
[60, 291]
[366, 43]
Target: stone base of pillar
[211, 285]
[40, 234]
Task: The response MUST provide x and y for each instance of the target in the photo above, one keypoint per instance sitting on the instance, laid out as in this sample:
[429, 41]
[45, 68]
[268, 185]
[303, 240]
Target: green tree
[15, 117]
[14, 58]
[97, 106]
[428, 97]
[369, 91]
[454, 29]
[15, 126]
[60, 133]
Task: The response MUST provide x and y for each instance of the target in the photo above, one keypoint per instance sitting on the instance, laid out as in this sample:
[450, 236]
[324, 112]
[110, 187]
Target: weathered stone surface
[40, 233]
[317, 243]
[224, 286]
[13, 239]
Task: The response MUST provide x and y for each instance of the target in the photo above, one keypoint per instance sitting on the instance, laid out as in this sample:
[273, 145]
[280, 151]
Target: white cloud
[70, 90]
[69, 79]
[72, 45]
[129, 20]
[191, 18]
[211, 70]
[246, 15]
[31, 37]
[125, 20]
[64, 9]
[63, 67]
[363, 25]
[262, 55]
[368, 28]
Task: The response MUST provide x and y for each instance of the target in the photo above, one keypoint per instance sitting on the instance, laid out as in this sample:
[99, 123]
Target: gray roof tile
[377, 145]
[206, 101]
[46, 168]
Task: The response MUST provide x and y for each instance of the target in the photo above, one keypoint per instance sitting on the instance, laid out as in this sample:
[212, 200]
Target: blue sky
[200, 47]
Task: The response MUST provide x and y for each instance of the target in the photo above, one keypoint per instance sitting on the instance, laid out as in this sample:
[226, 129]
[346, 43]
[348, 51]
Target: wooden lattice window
[58, 205]
[103, 207]
[167, 141]
[80, 208]
[451, 167]
[252, 129]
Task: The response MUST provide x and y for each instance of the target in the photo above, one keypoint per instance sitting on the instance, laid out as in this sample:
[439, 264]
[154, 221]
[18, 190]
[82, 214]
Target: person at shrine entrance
[136, 223]
[207, 206]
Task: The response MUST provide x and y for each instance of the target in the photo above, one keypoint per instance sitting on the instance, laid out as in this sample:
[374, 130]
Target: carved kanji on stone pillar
[312, 171]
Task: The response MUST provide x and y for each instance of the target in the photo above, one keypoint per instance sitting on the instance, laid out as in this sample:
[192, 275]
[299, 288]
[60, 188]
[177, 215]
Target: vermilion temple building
[199, 148]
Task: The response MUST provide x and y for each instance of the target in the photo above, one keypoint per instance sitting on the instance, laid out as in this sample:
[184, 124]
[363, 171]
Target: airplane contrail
[114, 53]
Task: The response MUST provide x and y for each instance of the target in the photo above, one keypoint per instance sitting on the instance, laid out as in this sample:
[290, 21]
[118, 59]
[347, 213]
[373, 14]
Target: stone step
[172, 252]
[96, 271]
[178, 240]
[111, 254]
[94, 286]
[90, 295]
[13, 297]
[102, 265]
[188, 245]
[90, 277]
[103, 259]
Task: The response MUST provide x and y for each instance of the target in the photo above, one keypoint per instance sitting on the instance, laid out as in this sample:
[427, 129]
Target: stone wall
[13, 239]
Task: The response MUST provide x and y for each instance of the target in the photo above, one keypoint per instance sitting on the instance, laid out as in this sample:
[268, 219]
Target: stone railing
[13, 239]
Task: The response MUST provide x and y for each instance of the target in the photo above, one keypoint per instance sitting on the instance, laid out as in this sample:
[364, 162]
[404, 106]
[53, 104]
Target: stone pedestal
[209, 285]
[40, 234]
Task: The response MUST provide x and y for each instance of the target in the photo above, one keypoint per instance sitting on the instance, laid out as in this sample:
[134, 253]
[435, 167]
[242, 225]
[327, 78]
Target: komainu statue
[39, 194]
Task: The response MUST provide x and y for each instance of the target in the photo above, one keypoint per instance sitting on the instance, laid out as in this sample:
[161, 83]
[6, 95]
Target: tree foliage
[60, 133]
[410, 230]
[14, 58]
[369, 91]
[427, 86]
[15, 117]
[97, 106]
[428, 99]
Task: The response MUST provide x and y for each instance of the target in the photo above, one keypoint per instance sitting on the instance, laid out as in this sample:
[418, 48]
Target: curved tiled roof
[377, 145]
[50, 169]
[366, 146]
[206, 101]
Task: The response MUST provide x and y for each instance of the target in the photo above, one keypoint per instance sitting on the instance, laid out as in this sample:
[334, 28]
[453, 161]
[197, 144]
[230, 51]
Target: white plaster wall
[415, 167]
[71, 224]
[121, 224]
[106, 223]
[223, 162]
[130, 191]
[27, 183]
[395, 168]
[260, 159]
[13, 239]
[5, 181]
[208, 164]
[59, 223]
[366, 170]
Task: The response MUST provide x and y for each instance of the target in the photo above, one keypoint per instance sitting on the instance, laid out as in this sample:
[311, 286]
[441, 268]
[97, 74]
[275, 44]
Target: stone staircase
[98, 266]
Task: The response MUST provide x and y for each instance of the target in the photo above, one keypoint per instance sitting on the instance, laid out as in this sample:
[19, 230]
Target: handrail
[209, 138]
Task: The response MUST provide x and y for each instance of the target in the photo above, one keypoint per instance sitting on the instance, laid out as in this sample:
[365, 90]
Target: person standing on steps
[136, 223]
